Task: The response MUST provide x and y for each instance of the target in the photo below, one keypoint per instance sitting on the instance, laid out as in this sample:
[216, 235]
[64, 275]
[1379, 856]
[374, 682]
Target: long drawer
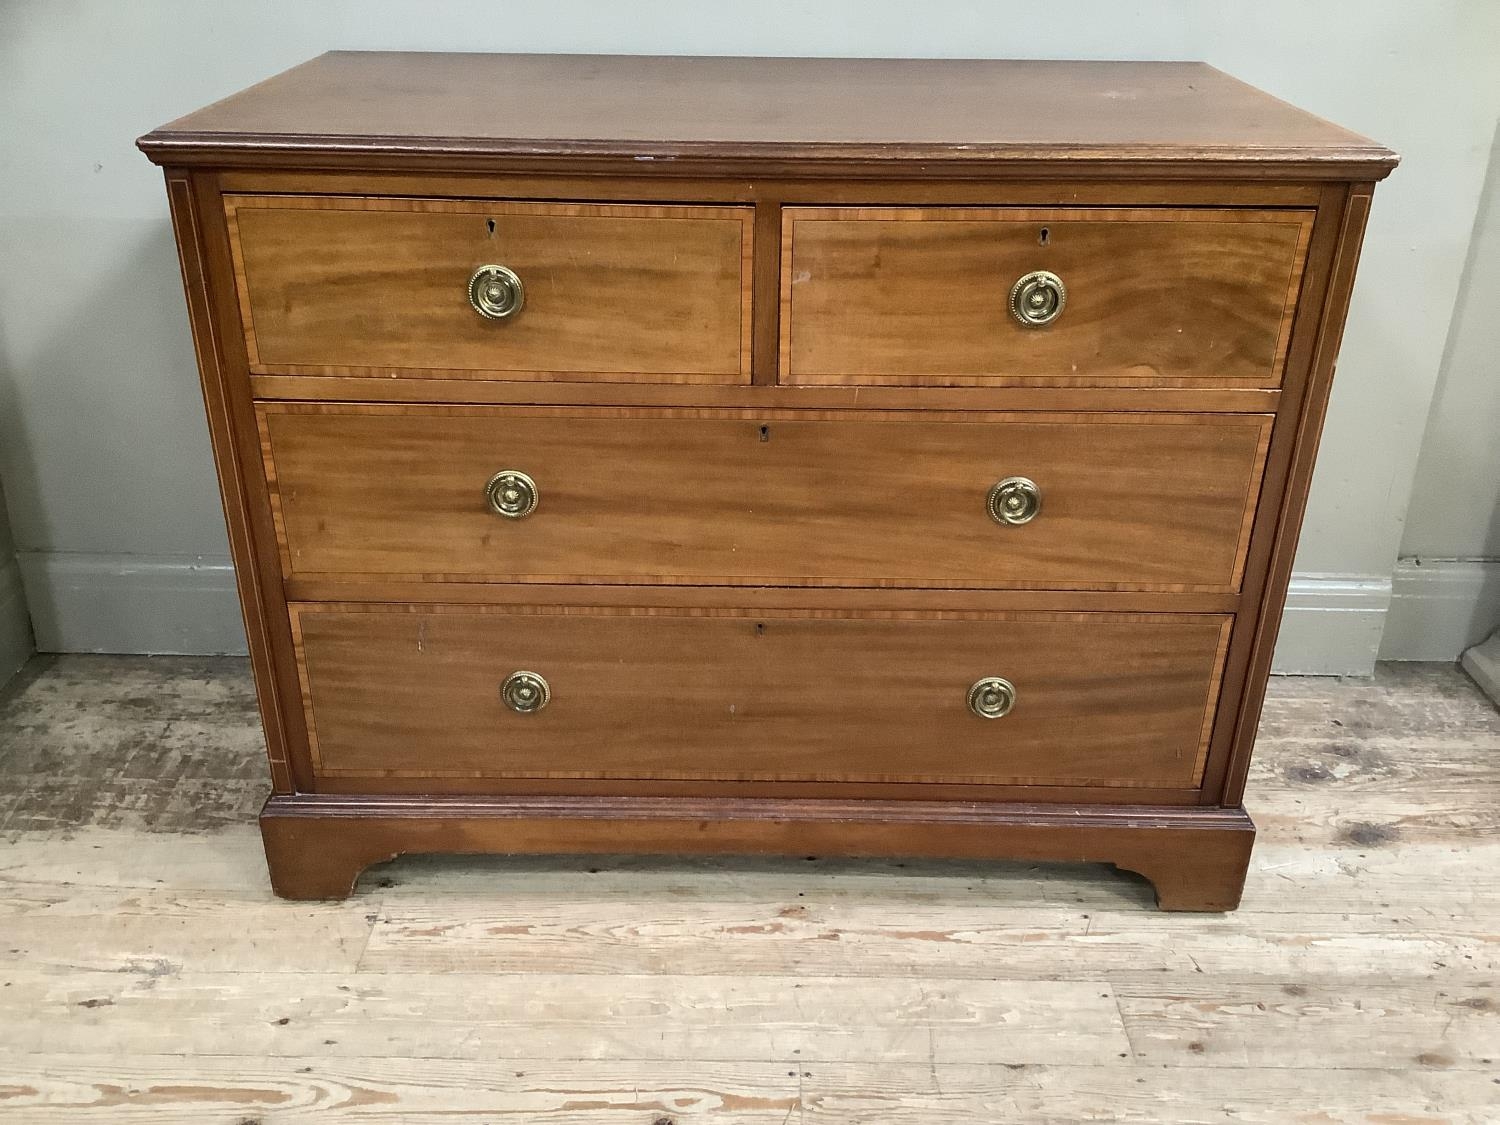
[1059, 501]
[997, 698]
[402, 288]
[1083, 296]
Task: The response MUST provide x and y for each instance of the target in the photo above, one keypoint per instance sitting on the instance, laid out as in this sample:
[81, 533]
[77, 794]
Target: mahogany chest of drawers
[756, 455]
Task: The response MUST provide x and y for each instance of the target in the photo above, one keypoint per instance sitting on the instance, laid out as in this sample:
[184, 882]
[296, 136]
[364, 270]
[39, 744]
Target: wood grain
[902, 186]
[675, 114]
[258, 554]
[763, 396]
[779, 497]
[1154, 297]
[317, 846]
[1101, 699]
[740, 935]
[1285, 474]
[513, 1019]
[727, 259]
[151, 968]
[379, 287]
[225, 402]
[755, 598]
[168, 1089]
[1303, 430]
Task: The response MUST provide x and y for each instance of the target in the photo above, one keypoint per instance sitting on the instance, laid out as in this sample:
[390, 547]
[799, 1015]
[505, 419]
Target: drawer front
[1160, 502]
[1149, 297]
[1098, 699]
[381, 287]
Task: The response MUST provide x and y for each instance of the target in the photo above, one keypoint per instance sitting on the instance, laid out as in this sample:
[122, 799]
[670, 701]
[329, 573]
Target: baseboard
[132, 603]
[171, 604]
[1439, 607]
[15, 623]
[1482, 662]
[1332, 625]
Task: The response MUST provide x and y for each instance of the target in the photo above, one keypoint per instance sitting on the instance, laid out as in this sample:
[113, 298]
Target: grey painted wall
[101, 436]
[1455, 511]
[7, 541]
[1447, 593]
[15, 623]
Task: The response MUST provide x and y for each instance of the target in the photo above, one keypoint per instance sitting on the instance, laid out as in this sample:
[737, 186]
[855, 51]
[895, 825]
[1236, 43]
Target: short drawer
[1102, 296]
[1050, 501]
[458, 288]
[489, 692]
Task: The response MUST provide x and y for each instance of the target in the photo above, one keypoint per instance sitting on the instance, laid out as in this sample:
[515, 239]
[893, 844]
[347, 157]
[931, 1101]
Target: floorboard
[147, 973]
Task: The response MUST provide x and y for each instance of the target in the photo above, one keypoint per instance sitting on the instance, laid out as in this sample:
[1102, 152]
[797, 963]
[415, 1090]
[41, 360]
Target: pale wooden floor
[146, 974]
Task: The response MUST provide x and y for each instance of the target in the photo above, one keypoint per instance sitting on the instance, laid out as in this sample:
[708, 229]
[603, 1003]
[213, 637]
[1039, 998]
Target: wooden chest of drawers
[808, 456]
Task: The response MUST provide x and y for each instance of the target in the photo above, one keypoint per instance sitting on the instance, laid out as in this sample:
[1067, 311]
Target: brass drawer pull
[512, 494]
[1038, 298]
[525, 692]
[992, 697]
[1014, 501]
[496, 292]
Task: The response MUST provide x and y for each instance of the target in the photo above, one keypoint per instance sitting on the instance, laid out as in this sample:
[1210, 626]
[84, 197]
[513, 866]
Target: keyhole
[1042, 240]
[765, 433]
[490, 223]
[760, 628]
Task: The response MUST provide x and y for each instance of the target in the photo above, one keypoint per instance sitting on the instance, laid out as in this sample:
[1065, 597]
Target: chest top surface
[396, 106]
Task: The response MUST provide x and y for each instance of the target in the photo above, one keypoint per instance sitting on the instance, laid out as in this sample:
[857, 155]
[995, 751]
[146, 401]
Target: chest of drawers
[806, 456]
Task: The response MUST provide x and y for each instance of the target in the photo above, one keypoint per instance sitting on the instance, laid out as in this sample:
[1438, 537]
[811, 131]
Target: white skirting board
[1440, 607]
[15, 624]
[1483, 663]
[132, 603]
[174, 604]
[1331, 625]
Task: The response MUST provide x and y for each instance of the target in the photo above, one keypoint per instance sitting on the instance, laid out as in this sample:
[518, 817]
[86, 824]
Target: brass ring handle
[1014, 501]
[992, 697]
[1038, 298]
[496, 292]
[525, 693]
[512, 494]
